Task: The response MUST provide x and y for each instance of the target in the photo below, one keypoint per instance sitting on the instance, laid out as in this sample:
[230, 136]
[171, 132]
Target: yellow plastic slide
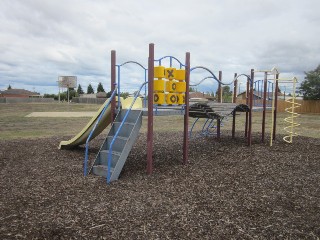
[127, 102]
[82, 136]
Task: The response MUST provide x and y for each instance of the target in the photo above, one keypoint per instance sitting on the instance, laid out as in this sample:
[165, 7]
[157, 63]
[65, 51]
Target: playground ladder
[122, 144]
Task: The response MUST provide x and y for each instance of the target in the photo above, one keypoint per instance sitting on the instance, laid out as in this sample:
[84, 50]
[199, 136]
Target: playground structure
[169, 88]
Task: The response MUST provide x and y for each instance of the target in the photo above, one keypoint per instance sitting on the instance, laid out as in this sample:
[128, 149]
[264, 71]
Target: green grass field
[14, 124]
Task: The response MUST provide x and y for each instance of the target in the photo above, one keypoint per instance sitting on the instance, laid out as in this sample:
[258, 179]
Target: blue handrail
[170, 58]
[118, 131]
[94, 128]
[145, 77]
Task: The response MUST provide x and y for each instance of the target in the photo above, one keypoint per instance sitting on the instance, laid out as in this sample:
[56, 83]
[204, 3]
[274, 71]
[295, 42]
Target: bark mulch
[227, 191]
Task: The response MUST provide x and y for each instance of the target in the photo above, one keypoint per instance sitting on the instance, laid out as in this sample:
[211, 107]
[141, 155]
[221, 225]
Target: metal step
[118, 145]
[101, 170]
[103, 158]
[125, 130]
[132, 117]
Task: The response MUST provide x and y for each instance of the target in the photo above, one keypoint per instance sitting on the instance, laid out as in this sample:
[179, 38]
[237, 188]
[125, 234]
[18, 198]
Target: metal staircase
[117, 145]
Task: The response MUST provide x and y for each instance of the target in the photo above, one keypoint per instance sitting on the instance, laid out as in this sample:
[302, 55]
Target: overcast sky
[43, 39]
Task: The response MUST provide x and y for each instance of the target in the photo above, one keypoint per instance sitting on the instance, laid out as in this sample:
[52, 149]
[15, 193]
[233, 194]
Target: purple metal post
[150, 108]
[250, 106]
[275, 108]
[220, 87]
[113, 83]
[235, 86]
[265, 82]
[247, 114]
[220, 100]
[186, 113]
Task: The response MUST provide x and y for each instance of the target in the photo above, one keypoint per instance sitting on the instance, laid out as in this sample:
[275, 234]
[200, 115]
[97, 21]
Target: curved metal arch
[139, 64]
[207, 69]
[215, 78]
[171, 57]
[245, 75]
[192, 85]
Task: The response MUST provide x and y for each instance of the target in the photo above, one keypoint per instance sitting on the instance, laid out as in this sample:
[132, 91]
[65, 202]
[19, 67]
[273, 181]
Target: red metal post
[218, 129]
[220, 88]
[186, 113]
[233, 124]
[150, 109]
[235, 90]
[220, 100]
[250, 106]
[113, 83]
[264, 102]
[247, 114]
[275, 108]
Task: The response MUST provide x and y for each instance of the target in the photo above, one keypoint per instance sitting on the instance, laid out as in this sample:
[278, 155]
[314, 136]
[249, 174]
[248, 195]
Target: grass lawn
[14, 124]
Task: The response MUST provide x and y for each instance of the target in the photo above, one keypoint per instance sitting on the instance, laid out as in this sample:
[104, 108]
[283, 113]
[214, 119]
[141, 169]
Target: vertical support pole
[275, 108]
[119, 86]
[220, 87]
[264, 102]
[247, 114]
[219, 100]
[68, 93]
[186, 112]
[218, 128]
[150, 109]
[113, 82]
[250, 106]
[235, 88]
[233, 123]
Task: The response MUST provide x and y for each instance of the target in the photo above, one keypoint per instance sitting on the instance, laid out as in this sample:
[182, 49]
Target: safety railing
[118, 131]
[94, 128]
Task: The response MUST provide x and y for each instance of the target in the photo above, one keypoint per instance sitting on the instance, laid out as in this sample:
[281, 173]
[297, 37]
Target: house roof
[19, 92]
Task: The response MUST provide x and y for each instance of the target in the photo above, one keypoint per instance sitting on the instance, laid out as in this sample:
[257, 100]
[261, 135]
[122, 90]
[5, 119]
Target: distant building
[91, 95]
[257, 95]
[200, 95]
[19, 93]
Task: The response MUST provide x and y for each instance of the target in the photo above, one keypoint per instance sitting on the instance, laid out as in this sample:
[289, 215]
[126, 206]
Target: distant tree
[124, 95]
[9, 87]
[310, 87]
[79, 90]
[191, 89]
[135, 92]
[72, 93]
[46, 95]
[90, 89]
[63, 96]
[100, 88]
[226, 94]
[109, 94]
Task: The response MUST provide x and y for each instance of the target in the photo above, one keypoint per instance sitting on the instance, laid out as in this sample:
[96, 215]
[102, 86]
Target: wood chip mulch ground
[227, 191]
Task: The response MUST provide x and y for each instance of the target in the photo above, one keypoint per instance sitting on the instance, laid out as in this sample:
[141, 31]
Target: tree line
[309, 88]
[76, 93]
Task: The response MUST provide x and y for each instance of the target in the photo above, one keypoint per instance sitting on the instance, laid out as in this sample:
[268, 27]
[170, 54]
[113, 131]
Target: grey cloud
[40, 40]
